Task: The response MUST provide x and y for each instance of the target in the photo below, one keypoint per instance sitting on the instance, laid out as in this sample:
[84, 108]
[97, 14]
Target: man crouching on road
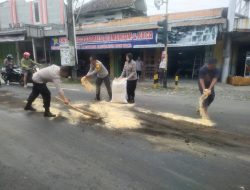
[97, 68]
[208, 77]
[52, 74]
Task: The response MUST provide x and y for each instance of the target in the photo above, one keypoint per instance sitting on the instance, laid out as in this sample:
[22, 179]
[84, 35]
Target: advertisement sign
[192, 36]
[66, 51]
[178, 37]
[109, 41]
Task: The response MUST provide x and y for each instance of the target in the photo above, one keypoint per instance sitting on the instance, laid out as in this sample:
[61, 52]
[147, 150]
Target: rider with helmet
[8, 63]
[27, 64]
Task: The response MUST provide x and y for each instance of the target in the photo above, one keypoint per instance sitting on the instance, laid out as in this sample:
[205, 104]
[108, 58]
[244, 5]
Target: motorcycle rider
[27, 64]
[8, 63]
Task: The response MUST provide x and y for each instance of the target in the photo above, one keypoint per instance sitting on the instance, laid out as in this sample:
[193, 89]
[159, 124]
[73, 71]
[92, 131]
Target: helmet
[9, 56]
[26, 55]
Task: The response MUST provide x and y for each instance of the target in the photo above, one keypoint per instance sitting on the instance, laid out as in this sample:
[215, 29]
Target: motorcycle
[17, 76]
[33, 70]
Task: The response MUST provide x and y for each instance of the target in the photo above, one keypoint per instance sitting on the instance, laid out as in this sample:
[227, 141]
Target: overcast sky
[182, 5]
[185, 5]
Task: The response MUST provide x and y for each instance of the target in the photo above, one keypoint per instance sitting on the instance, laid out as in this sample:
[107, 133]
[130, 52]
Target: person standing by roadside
[162, 66]
[97, 68]
[129, 72]
[208, 77]
[8, 63]
[139, 66]
[27, 64]
[40, 79]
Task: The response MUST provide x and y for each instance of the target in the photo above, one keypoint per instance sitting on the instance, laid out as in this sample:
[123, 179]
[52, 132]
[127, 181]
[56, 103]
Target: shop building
[193, 36]
[240, 47]
[23, 25]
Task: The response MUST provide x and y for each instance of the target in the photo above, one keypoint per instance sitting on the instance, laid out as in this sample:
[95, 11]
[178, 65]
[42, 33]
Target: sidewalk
[190, 88]
[185, 87]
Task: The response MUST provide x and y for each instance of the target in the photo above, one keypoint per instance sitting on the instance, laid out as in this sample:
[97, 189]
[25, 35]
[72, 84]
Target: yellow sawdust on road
[116, 116]
[71, 115]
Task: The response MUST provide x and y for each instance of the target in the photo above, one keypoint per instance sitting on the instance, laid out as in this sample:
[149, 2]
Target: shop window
[36, 12]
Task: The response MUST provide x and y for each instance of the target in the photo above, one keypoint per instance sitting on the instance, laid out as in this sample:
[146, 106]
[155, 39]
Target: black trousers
[138, 74]
[8, 74]
[131, 86]
[45, 93]
[98, 86]
[209, 99]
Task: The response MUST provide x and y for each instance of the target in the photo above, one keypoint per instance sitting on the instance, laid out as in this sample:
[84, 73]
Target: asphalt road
[38, 153]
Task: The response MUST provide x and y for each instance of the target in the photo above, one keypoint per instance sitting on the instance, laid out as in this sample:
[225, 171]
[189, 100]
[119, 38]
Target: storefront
[188, 48]
[240, 52]
[111, 49]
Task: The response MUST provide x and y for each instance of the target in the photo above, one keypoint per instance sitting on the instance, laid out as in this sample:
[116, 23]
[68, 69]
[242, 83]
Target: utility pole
[228, 43]
[165, 78]
[72, 38]
[163, 36]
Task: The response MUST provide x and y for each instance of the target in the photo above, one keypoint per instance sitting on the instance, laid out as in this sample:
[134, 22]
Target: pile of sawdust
[87, 85]
[116, 116]
[73, 117]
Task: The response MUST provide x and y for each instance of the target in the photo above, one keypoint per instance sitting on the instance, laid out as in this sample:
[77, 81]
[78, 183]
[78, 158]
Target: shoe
[8, 83]
[97, 99]
[49, 114]
[131, 102]
[29, 108]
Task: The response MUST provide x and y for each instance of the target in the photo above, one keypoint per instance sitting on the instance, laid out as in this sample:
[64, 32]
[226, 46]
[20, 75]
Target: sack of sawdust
[87, 85]
[245, 81]
[119, 91]
[239, 81]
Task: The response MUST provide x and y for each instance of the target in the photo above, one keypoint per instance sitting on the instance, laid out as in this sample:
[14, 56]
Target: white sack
[119, 91]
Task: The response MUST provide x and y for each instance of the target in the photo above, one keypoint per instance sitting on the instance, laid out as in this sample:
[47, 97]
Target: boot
[129, 99]
[132, 100]
[97, 98]
[47, 113]
[29, 108]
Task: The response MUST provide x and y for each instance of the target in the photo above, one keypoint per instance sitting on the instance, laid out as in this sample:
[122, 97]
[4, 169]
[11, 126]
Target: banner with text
[109, 41]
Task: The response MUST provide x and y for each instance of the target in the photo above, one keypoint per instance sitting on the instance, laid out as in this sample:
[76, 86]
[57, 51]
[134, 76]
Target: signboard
[163, 63]
[109, 41]
[178, 37]
[66, 51]
[192, 36]
[13, 38]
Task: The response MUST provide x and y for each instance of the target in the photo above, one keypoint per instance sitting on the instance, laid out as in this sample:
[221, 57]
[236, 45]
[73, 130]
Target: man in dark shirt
[8, 63]
[208, 77]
